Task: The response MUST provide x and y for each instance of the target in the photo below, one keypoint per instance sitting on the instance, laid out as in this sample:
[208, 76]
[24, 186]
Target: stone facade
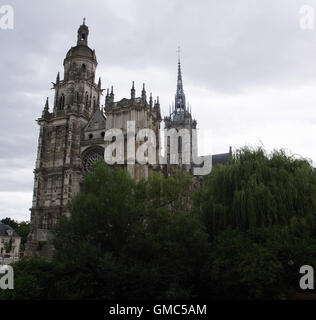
[71, 137]
[58, 170]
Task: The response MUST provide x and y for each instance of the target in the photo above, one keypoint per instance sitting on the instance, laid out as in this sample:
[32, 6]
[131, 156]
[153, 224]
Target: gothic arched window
[87, 101]
[62, 102]
[180, 144]
[94, 104]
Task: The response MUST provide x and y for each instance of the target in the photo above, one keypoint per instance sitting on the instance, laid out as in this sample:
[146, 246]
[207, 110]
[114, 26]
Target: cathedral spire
[46, 108]
[151, 101]
[157, 107]
[144, 96]
[180, 96]
[133, 91]
[112, 95]
[46, 104]
[107, 100]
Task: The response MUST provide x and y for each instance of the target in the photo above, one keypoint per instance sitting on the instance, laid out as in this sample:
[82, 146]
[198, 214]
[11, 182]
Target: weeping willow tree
[257, 190]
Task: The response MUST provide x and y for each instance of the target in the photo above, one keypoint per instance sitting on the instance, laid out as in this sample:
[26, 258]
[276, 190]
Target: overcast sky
[249, 72]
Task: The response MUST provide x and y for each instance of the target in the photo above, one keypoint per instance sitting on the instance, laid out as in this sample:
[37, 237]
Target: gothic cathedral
[71, 137]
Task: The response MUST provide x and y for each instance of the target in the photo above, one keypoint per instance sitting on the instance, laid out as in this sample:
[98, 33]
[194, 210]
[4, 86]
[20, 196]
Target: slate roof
[3, 231]
[97, 121]
[220, 158]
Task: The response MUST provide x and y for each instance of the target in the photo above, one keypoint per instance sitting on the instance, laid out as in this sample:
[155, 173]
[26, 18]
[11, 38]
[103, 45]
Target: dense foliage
[241, 233]
[256, 191]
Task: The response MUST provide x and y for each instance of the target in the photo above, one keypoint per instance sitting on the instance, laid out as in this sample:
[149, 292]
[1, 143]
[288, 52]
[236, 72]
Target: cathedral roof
[180, 116]
[97, 122]
[81, 51]
[126, 103]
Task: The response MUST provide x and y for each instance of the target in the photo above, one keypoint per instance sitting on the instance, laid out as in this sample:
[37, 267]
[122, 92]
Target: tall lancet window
[62, 102]
[87, 101]
[180, 144]
[94, 104]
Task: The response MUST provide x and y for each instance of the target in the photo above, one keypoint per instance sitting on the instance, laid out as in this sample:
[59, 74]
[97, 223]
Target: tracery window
[91, 157]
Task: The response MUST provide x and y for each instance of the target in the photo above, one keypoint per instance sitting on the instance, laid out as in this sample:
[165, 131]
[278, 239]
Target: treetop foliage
[241, 233]
[255, 190]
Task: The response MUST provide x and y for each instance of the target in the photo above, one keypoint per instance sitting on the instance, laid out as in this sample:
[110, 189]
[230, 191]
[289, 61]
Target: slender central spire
[179, 51]
[180, 96]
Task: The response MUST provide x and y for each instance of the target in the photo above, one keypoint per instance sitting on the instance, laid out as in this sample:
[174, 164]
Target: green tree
[250, 228]
[259, 211]
[23, 231]
[255, 190]
[243, 269]
[133, 240]
[10, 222]
[33, 279]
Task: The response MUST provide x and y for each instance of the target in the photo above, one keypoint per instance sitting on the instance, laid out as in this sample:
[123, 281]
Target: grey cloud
[230, 49]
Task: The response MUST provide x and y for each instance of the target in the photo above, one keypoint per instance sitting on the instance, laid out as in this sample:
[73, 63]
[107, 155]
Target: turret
[80, 62]
[151, 101]
[46, 109]
[83, 33]
[157, 107]
[107, 100]
[112, 96]
[133, 92]
[144, 97]
[78, 91]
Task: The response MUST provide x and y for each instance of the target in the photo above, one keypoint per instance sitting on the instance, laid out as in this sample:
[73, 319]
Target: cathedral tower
[145, 115]
[74, 134]
[180, 120]
[58, 170]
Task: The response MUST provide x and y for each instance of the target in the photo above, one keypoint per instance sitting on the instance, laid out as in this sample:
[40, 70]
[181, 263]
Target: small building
[10, 242]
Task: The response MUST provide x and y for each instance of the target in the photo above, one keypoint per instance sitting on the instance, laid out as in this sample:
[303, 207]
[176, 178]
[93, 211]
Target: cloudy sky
[249, 72]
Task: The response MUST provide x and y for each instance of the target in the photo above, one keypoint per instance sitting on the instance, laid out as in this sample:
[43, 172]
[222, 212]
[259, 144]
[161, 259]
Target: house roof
[3, 231]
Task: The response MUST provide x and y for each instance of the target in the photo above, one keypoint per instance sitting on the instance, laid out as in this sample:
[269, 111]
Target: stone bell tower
[180, 121]
[58, 170]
